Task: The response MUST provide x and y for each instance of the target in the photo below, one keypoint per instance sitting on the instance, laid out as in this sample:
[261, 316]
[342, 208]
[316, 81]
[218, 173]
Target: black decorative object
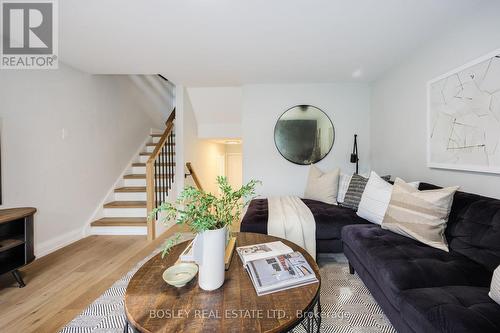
[354, 155]
[304, 134]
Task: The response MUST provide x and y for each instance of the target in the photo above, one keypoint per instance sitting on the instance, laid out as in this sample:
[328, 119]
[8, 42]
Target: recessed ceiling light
[357, 73]
[232, 142]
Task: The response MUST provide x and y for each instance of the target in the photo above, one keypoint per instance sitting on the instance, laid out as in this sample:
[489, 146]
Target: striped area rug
[347, 306]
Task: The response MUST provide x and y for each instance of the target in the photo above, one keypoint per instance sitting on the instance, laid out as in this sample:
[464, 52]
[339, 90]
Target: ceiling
[235, 42]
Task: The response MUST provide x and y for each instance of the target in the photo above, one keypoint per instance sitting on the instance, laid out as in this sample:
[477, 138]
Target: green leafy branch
[202, 211]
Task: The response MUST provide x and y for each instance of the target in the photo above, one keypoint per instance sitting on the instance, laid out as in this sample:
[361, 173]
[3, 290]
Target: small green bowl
[179, 275]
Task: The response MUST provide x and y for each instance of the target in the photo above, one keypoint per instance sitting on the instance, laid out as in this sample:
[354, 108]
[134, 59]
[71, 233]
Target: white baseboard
[58, 242]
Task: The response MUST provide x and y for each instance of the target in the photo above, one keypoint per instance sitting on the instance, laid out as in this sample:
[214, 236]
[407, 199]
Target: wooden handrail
[151, 192]
[161, 143]
[193, 174]
[171, 118]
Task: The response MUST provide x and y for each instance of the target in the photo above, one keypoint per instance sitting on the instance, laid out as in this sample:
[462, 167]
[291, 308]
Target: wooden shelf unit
[16, 240]
[9, 243]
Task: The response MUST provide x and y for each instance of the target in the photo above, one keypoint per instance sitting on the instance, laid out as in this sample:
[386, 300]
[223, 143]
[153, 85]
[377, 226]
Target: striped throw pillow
[421, 215]
[354, 192]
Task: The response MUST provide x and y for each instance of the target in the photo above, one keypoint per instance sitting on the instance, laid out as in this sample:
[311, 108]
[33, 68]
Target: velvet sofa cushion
[255, 219]
[330, 219]
[474, 227]
[399, 263]
[453, 309]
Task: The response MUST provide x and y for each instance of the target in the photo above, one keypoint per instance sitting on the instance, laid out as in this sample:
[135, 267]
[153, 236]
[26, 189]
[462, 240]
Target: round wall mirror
[304, 134]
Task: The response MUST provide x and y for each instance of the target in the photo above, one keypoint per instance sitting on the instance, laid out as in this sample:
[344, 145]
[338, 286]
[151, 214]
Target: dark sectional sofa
[420, 289]
[330, 219]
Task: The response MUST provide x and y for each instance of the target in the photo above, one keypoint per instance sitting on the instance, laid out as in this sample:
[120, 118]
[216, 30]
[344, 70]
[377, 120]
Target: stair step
[143, 176]
[144, 164]
[159, 135]
[151, 144]
[145, 153]
[134, 189]
[120, 222]
[130, 189]
[125, 204]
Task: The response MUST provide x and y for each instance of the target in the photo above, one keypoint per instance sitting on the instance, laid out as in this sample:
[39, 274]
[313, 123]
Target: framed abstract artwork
[463, 117]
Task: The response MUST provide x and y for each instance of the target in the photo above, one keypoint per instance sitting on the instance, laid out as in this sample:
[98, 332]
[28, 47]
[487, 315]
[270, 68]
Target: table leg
[313, 319]
[18, 278]
[319, 315]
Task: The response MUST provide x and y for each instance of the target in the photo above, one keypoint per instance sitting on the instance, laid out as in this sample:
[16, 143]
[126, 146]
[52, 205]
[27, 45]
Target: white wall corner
[58, 242]
[217, 131]
[158, 113]
[179, 139]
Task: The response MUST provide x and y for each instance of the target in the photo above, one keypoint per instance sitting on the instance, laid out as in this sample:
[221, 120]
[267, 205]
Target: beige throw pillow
[322, 186]
[421, 215]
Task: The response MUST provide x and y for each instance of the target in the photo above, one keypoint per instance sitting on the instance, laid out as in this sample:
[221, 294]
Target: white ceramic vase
[209, 251]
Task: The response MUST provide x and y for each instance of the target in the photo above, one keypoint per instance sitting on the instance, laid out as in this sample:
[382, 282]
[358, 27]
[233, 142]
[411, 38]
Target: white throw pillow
[495, 286]
[344, 181]
[322, 186]
[376, 198]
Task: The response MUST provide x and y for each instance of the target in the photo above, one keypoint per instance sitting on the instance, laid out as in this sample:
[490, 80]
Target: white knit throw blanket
[291, 219]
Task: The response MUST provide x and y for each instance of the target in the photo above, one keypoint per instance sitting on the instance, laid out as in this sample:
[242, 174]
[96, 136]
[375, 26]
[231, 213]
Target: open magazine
[260, 251]
[278, 272]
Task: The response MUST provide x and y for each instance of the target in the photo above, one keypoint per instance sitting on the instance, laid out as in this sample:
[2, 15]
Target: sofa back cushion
[474, 227]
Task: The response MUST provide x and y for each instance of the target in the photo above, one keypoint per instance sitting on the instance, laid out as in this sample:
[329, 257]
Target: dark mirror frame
[276, 127]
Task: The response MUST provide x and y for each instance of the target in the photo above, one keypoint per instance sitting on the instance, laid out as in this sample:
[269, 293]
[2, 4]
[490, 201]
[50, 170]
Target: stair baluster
[159, 171]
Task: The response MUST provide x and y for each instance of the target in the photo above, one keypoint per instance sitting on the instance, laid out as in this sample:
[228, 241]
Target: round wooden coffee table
[151, 305]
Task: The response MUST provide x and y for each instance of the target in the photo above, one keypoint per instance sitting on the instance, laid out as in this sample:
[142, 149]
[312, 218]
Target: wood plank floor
[62, 284]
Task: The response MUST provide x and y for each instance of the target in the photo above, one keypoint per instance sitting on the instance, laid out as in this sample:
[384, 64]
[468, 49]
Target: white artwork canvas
[464, 117]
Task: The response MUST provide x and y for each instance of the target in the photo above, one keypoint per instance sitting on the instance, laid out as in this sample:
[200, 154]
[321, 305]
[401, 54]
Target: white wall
[399, 103]
[203, 154]
[160, 93]
[347, 105]
[217, 111]
[66, 178]
[234, 165]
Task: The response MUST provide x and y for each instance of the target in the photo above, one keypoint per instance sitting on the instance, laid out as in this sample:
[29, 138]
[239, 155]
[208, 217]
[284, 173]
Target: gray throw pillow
[354, 192]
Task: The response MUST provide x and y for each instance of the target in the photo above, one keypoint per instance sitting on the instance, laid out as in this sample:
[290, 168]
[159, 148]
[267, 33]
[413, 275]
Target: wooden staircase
[127, 213]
